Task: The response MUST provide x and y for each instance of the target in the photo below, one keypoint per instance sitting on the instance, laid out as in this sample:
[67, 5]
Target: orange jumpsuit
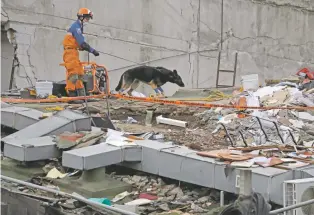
[71, 44]
[72, 63]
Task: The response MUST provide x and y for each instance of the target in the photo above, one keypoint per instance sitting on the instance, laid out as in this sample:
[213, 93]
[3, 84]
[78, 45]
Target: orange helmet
[84, 12]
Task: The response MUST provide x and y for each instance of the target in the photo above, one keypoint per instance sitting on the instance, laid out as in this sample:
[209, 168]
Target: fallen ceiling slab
[63, 121]
[149, 156]
[179, 163]
[33, 149]
[24, 145]
[18, 117]
[100, 155]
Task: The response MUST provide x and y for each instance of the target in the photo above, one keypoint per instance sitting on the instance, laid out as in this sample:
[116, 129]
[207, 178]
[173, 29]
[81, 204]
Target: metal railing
[67, 195]
[291, 207]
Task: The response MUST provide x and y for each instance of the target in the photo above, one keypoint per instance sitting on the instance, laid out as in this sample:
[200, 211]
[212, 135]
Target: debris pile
[68, 140]
[153, 195]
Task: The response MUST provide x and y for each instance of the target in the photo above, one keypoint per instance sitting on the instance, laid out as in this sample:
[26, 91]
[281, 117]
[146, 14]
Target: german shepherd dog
[153, 76]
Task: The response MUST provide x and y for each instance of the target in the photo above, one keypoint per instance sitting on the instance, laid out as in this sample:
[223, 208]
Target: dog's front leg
[161, 92]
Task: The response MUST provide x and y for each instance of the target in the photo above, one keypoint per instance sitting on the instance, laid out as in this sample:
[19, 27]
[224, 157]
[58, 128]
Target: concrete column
[245, 183]
[149, 117]
[93, 175]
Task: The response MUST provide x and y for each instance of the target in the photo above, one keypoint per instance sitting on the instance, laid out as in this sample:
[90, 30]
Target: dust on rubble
[196, 136]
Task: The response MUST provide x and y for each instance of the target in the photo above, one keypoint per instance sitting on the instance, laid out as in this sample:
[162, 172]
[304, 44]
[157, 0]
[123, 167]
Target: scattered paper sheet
[54, 173]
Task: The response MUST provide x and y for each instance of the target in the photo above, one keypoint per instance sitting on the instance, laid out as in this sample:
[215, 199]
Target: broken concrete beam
[18, 117]
[33, 149]
[63, 121]
[80, 119]
[100, 155]
[168, 121]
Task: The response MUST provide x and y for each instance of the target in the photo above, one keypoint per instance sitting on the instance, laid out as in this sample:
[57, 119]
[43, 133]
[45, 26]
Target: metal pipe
[222, 198]
[235, 69]
[82, 199]
[218, 68]
[221, 24]
[292, 207]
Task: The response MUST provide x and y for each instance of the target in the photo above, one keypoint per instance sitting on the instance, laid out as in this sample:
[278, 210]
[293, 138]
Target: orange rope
[152, 100]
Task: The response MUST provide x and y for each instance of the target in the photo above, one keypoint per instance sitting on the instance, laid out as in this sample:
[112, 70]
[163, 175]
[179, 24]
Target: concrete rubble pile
[153, 195]
[240, 137]
[287, 134]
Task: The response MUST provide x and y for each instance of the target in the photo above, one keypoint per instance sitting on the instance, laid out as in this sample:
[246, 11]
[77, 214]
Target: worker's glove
[96, 53]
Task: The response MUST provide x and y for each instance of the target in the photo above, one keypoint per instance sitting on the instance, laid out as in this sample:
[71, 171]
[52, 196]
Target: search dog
[153, 76]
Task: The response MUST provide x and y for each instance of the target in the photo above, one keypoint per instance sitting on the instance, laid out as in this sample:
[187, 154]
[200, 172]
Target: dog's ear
[175, 72]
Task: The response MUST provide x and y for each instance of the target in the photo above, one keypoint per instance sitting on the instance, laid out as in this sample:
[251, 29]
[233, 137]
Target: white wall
[272, 39]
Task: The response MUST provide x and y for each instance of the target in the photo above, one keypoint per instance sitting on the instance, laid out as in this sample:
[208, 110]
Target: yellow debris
[56, 108]
[216, 95]
[52, 97]
[32, 92]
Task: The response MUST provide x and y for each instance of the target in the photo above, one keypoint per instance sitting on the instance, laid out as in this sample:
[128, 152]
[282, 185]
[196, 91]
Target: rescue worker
[72, 43]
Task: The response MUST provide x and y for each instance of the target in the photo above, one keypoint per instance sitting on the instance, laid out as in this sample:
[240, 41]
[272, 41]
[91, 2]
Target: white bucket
[43, 88]
[250, 82]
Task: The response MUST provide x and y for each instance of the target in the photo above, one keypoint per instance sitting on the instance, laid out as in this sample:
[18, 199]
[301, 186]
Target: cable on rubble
[153, 100]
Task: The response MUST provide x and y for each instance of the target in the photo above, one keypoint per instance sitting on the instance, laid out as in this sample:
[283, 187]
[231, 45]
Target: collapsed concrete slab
[38, 148]
[100, 155]
[65, 120]
[18, 117]
[24, 145]
[184, 164]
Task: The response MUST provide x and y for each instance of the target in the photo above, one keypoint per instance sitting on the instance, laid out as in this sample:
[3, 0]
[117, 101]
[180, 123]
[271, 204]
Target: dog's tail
[120, 84]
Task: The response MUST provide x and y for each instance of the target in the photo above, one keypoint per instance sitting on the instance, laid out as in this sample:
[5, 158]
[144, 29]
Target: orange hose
[152, 100]
[63, 99]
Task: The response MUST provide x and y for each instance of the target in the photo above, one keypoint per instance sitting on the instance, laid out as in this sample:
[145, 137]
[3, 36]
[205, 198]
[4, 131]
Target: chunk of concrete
[100, 155]
[33, 149]
[19, 117]
[92, 157]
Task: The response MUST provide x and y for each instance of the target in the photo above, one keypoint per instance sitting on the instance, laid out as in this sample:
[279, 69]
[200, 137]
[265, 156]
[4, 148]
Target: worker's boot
[74, 94]
[81, 92]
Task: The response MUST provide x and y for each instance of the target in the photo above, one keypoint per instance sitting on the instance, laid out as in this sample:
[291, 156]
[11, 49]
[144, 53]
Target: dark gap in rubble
[5, 131]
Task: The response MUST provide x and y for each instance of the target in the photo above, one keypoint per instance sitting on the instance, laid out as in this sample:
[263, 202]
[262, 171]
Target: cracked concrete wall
[273, 38]
[6, 61]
